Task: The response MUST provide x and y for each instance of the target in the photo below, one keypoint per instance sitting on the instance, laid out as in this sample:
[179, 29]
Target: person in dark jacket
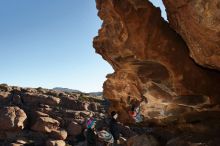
[91, 134]
[114, 127]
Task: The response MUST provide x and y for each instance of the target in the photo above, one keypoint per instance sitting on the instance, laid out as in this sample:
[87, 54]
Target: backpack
[105, 136]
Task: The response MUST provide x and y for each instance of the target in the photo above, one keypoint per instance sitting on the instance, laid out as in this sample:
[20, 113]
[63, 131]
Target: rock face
[12, 118]
[152, 61]
[199, 24]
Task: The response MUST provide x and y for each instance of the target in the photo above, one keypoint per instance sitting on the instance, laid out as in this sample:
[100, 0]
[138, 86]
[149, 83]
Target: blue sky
[48, 43]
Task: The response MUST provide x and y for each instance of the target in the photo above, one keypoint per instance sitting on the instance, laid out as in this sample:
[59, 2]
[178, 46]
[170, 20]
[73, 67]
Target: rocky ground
[43, 117]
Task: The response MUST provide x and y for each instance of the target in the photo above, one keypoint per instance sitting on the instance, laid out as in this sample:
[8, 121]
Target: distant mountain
[95, 93]
[76, 91]
[66, 90]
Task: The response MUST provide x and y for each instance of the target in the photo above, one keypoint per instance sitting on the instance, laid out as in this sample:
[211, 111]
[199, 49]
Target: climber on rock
[135, 109]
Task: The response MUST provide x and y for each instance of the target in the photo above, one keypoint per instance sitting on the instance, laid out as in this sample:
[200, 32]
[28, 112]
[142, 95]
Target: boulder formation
[152, 61]
[44, 117]
[169, 65]
[198, 22]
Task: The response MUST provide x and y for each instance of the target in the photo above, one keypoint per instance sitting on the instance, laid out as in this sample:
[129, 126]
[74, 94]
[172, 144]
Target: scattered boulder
[45, 124]
[12, 118]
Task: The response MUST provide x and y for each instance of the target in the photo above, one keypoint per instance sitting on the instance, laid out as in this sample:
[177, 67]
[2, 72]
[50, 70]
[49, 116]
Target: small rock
[55, 143]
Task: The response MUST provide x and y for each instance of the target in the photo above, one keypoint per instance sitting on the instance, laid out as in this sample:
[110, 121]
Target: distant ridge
[76, 91]
[95, 93]
[66, 90]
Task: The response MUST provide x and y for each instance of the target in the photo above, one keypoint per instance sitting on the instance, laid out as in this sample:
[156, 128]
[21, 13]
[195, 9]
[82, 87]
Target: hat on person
[90, 122]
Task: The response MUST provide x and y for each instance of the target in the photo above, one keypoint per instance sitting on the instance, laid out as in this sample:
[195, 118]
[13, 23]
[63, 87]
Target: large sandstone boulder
[36, 98]
[12, 118]
[199, 25]
[46, 124]
[151, 60]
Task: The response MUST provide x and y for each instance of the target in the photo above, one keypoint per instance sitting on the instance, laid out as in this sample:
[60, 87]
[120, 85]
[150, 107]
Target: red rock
[149, 59]
[12, 118]
[45, 124]
[199, 25]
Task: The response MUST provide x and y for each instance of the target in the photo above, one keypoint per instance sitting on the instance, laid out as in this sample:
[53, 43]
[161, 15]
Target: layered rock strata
[152, 61]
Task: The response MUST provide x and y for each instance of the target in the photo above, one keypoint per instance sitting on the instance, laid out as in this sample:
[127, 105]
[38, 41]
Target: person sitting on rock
[114, 127]
[91, 133]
